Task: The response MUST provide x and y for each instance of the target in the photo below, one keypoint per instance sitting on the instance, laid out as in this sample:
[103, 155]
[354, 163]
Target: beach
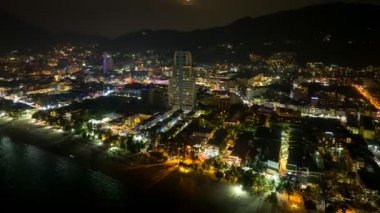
[159, 185]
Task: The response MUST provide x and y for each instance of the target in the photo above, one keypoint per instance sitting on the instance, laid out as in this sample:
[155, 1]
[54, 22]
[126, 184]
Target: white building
[182, 90]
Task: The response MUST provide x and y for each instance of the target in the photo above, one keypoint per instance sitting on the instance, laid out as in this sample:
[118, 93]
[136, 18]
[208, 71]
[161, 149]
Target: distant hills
[336, 33]
[15, 34]
[341, 33]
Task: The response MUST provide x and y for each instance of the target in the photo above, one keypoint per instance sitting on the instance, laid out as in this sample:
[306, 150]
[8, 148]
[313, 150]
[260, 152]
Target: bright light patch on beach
[238, 190]
[113, 149]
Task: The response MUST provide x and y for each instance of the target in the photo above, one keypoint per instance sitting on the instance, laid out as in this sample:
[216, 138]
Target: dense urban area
[304, 135]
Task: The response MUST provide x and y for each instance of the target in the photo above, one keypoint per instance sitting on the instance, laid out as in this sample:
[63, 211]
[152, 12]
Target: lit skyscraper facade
[182, 91]
[107, 63]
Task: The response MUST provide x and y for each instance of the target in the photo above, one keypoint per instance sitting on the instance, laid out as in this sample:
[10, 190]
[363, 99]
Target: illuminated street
[284, 152]
[368, 96]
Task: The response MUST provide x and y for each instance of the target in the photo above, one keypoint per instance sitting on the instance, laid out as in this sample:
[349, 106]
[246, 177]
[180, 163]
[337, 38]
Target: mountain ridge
[340, 33]
[335, 32]
[16, 33]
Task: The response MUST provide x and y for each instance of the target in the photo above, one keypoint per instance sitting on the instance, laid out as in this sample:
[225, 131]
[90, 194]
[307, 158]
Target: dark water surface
[34, 176]
[36, 179]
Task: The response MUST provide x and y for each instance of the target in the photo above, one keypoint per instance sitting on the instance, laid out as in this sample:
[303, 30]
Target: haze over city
[190, 106]
[117, 17]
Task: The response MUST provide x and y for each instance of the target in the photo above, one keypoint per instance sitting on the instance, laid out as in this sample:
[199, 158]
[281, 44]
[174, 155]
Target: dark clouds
[115, 17]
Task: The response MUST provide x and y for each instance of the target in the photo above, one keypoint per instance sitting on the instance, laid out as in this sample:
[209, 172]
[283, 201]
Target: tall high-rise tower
[182, 91]
[107, 63]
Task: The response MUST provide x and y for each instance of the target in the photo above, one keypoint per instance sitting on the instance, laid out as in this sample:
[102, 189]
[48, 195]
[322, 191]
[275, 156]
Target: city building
[367, 129]
[107, 63]
[182, 91]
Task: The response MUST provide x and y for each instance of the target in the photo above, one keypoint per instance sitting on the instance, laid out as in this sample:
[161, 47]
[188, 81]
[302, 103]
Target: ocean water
[32, 176]
[37, 180]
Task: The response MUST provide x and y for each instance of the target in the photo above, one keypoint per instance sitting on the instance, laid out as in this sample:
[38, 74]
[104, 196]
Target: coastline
[70, 146]
[163, 185]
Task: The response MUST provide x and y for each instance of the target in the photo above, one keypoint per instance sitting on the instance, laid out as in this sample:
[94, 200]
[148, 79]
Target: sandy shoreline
[162, 185]
[67, 145]
[134, 171]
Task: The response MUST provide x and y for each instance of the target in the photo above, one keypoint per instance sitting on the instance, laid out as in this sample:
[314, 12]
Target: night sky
[112, 18]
